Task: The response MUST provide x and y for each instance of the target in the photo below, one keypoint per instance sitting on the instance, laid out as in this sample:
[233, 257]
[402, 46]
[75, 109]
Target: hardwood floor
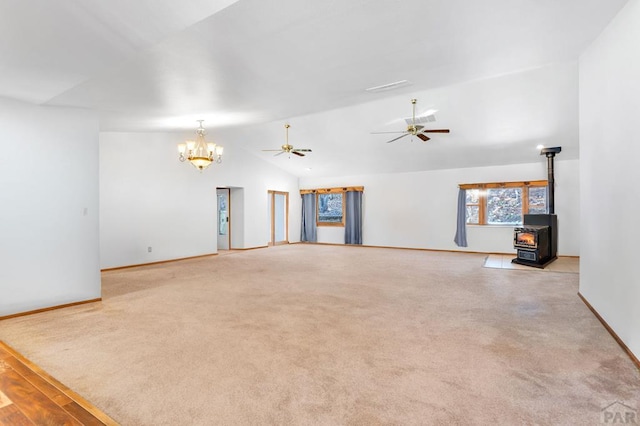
[29, 396]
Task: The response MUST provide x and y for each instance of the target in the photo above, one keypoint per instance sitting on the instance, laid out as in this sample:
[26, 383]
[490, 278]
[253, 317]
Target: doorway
[279, 217]
[224, 213]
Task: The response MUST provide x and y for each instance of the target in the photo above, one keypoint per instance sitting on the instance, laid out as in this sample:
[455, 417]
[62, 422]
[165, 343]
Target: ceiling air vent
[421, 120]
[389, 86]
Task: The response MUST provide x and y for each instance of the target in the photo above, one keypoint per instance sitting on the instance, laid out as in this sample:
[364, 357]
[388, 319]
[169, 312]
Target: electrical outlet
[149, 249]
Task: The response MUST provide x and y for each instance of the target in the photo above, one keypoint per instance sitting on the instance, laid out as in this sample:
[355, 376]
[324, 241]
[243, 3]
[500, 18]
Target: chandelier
[200, 153]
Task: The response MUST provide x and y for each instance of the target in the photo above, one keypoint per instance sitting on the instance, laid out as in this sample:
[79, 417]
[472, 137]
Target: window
[330, 204]
[504, 206]
[538, 199]
[473, 206]
[330, 209]
[504, 203]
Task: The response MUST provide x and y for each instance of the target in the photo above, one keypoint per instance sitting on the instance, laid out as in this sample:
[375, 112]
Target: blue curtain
[308, 232]
[353, 217]
[461, 231]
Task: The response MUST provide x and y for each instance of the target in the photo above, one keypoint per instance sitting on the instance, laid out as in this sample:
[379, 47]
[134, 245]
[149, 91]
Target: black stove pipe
[550, 153]
[551, 183]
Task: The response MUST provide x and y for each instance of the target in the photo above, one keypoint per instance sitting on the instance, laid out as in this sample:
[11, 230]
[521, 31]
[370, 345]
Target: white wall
[610, 149]
[418, 210]
[237, 217]
[149, 199]
[49, 207]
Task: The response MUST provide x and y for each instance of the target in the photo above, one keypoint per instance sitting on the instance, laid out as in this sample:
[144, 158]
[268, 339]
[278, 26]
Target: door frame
[272, 195]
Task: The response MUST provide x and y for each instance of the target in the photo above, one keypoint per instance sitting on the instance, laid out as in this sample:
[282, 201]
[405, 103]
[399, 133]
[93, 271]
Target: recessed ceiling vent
[421, 120]
[389, 86]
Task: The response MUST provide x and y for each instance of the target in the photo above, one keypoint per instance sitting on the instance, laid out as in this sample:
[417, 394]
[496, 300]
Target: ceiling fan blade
[436, 131]
[423, 137]
[393, 140]
[280, 153]
[271, 150]
[299, 154]
[302, 150]
[380, 133]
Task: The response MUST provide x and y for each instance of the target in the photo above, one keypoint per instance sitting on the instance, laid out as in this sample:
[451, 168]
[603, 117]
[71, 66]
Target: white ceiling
[158, 65]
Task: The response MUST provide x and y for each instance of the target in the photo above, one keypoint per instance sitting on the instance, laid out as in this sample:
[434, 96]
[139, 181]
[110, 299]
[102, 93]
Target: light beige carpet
[309, 334]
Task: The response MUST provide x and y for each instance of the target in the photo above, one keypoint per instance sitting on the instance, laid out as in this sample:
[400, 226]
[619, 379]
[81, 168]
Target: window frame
[482, 198]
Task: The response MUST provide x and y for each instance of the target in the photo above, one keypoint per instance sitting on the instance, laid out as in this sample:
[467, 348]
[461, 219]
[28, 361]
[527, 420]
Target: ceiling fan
[414, 129]
[289, 149]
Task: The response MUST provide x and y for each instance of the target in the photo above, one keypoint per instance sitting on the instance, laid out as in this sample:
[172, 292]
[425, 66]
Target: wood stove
[532, 242]
[536, 241]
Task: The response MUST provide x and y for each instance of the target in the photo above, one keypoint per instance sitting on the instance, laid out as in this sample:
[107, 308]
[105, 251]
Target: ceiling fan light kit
[200, 153]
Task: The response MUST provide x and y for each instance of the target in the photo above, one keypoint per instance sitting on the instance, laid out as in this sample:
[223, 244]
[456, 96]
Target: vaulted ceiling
[498, 71]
